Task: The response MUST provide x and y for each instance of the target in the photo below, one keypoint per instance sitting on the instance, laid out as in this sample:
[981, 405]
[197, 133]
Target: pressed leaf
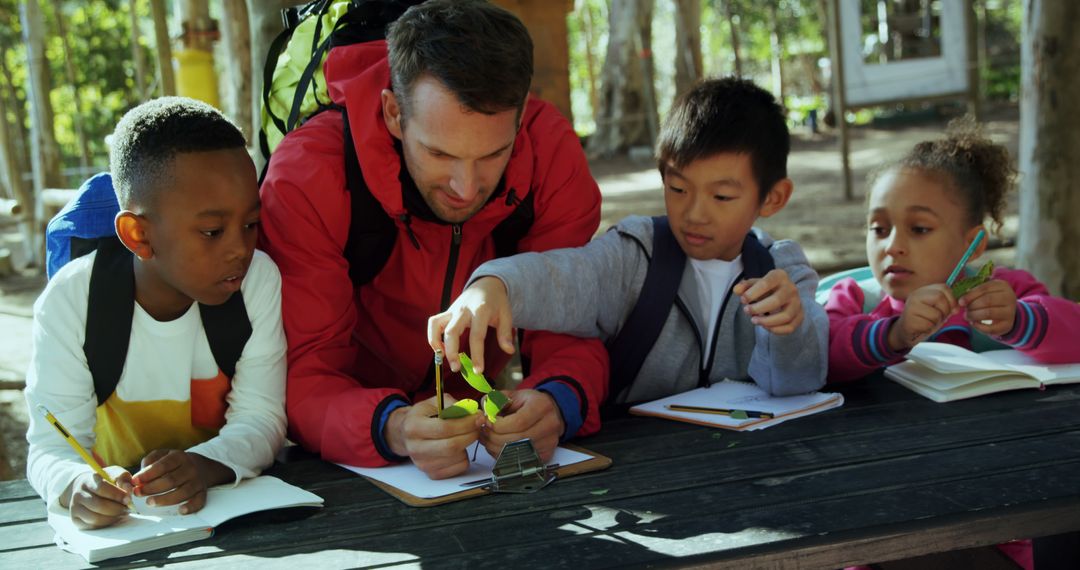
[962, 286]
[599, 492]
[460, 409]
[477, 381]
[739, 415]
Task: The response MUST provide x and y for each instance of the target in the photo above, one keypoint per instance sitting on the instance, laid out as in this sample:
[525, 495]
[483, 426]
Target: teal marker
[963, 260]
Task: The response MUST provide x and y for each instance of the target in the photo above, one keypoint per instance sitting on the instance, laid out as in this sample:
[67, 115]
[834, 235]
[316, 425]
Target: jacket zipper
[706, 367]
[451, 266]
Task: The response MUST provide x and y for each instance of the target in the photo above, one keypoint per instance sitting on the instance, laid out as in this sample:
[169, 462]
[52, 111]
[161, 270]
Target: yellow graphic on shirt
[127, 431]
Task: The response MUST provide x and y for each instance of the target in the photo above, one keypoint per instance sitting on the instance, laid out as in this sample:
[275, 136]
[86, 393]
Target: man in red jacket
[449, 144]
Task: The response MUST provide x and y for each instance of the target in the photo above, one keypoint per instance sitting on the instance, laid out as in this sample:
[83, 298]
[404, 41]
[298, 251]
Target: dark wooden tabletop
[890, 475]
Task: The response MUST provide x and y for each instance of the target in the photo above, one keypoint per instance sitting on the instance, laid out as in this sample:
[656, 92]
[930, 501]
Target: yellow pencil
[438, 380]
[89, 459]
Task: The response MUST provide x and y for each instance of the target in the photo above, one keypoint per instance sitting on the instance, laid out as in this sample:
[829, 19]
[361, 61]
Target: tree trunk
[237, 33]
[73, 82]
[163, 45]
[45, 154]
[136, 51]
[11, 174]
[687, 44]
[20, 153]
[589, 33]
[1050, 146]
[628, 109]
[776, 43]
[729, 13]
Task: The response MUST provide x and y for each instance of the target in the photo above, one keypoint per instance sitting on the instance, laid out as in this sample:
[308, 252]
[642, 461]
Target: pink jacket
[1046, 327]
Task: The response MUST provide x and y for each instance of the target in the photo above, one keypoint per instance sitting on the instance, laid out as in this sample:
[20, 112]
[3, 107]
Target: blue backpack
[86, 224]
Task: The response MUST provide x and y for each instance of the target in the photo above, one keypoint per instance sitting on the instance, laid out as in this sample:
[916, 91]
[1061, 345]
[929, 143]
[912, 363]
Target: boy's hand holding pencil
[772, 302]
[95, 502]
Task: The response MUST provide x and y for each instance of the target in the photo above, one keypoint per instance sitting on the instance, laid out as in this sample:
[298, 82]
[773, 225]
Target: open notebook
[140, 533]
[735, 397]
[946, 372]
[410, 485]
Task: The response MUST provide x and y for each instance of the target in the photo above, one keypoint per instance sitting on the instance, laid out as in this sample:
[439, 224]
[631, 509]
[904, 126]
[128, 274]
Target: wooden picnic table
[890, 475]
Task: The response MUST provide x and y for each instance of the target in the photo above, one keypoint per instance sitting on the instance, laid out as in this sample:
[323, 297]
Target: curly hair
[976, 168]
[150, 135]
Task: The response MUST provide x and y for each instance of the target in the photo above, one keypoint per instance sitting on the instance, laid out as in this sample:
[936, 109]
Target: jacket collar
[756, 259]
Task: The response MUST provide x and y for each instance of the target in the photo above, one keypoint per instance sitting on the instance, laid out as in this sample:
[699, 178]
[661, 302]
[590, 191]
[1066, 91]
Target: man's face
[455, 156]
[203, 227]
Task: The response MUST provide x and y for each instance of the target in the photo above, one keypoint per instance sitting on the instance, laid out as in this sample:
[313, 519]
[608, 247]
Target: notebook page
[407, 477]
[252, 495]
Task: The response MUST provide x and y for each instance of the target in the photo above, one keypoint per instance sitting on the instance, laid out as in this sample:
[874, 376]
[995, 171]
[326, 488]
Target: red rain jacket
[352, 352]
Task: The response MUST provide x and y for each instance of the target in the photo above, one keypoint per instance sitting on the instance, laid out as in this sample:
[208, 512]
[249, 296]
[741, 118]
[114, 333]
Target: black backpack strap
[513, 227]
[228, 329]
[639, 333]
[110, 308]
[371, 230]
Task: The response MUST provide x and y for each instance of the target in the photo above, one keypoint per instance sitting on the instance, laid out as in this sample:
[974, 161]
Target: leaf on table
[962, 286]
[739, 415]
[599, 492]
[477, 381]
[461, 409]
[732, 444]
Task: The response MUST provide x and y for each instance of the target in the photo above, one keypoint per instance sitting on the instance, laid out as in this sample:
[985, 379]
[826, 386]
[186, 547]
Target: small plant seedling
[494, 400]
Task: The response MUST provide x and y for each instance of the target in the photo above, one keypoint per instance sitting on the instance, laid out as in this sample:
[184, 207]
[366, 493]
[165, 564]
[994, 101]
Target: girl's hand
[925, 311]
[94, 503]
[175, 477]
[991, 307]
[484, 303]
[772, 302]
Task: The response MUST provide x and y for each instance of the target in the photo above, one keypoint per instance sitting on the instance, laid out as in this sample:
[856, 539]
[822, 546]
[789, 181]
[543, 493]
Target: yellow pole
[195, 75]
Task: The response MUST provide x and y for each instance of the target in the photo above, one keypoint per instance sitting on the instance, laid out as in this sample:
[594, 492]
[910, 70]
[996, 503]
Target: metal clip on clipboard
[517, 470]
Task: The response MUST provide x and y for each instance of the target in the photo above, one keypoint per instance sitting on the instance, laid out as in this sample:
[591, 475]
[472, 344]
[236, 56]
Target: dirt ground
[829, 228]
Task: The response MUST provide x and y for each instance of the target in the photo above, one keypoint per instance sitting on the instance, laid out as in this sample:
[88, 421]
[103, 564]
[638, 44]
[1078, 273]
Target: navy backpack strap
[228, 329]
[639, 333]
[110, 307]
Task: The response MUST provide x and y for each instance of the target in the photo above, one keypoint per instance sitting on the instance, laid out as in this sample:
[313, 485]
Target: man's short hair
[150, 135]
[727, 115]
[479, 51]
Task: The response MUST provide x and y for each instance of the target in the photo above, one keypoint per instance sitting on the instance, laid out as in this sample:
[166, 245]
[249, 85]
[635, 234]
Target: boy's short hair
[150, 135]
[479, 51]
[727, 115]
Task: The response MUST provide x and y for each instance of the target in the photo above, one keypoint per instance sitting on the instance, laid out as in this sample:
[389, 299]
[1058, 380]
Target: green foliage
[460, 409]
[962, 286]
[494, 400]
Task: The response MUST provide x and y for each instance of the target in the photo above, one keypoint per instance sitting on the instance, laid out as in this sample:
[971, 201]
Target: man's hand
[436, 446]
[94, 503]
[925, 311]
[772, 302]
[484, 303]
[990, 307]
[532, 414]
[173, 477]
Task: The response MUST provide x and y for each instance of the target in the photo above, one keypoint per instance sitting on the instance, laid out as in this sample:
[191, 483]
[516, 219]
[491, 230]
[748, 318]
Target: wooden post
[238, 39]
[970, 27]
[163, 45]
[546, 21]
[839, 102]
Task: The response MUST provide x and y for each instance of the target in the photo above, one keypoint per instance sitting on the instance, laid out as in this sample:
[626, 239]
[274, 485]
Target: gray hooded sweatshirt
[589, 291]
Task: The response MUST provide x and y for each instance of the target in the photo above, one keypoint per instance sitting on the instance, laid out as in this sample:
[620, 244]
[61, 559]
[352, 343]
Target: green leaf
[461, 409]
[962, 286]
[739, 415]
[717, 435]
[491, 409]
[732, 444]
[599, 492]
[477, 381]
[499, 398]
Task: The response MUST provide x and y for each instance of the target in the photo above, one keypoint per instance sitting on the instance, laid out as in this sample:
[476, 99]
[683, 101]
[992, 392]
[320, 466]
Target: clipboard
[595, 462]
